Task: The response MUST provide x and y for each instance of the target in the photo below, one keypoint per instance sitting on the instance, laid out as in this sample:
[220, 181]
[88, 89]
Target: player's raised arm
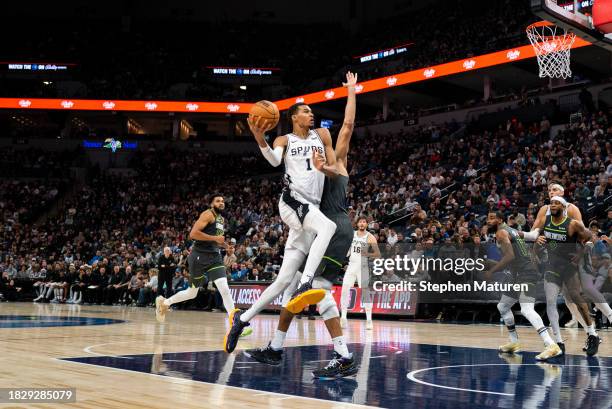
[273, 156]
[344, 136]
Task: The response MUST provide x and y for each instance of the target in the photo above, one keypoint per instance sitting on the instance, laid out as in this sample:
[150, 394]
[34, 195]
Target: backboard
[574, 16]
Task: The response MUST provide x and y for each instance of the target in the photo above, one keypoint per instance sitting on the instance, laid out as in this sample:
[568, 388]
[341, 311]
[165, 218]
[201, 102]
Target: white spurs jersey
[358, 246]
[300, 174]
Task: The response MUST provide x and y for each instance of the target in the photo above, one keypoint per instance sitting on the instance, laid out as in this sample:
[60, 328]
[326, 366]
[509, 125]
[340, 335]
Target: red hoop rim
[542, 23]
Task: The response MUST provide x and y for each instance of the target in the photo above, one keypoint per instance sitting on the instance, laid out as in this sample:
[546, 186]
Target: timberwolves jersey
[301, 176]
[212, 229]
[559, 245]
[522, 256]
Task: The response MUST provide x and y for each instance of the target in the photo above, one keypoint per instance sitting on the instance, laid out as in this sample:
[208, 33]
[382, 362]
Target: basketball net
[552, 47]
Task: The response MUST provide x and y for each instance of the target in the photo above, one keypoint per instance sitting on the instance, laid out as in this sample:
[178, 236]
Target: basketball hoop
[552, 46]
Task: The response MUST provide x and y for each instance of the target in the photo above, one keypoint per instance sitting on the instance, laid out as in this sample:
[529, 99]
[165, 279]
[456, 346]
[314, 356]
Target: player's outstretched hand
[351, 80]
[318, 160]
[258, 125]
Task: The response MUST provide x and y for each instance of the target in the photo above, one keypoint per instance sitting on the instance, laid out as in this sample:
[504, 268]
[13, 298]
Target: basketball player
[586, 271]
[205, 262]
[559, 238]
[357, 268]
[333, 205]
[517, 259]
[298, 208]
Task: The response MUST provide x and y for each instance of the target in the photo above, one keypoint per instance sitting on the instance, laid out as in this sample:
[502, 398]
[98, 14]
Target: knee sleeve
[327, 307]
[503, 308]
[318, 223]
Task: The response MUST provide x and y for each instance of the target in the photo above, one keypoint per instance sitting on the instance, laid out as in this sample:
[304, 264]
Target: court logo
[329, 94]
[151, 106]
[513, 54]
[108, 105]
[67, 104]
[358, 88]
[192, 107]
[391, 81]
[469, 64]
[25, 103]
[429, 73]
[233, 107]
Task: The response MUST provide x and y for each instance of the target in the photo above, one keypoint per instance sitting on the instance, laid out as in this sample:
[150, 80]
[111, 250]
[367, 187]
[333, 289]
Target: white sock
[188, 294]
[545, 336]
[605, 310]
[291, 263]
[368, 310]
[278, 340]
[225, 293]
[344, 312]
[529, 312]
[591, 329]
[340, 346]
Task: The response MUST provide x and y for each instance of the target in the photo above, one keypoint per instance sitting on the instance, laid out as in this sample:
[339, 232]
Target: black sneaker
[562, 346]
[586, 344]
[592, 345]
[266, 355]
[233, 334]
[338, 367]
[302, 297]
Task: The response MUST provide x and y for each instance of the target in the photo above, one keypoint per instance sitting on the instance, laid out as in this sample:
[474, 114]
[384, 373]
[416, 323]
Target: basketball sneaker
[562, 346]
[338, 367]
[592, 345]
[160, 308]
[266, 355]
[236, 326]
[550, 351]
[304, 296]
[586, 344]
[246, 332]
[571, 324]
[510, 348]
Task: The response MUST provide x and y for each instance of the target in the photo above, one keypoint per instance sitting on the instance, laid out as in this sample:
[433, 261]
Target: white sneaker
[571, 324]
[160, 309]
[369, 325]
[343, 323]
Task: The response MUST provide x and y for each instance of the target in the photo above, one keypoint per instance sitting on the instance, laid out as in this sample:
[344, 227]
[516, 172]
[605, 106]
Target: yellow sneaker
[246, 332]
[510, 348]
[304, 296]
[550, 351]
[160, 309]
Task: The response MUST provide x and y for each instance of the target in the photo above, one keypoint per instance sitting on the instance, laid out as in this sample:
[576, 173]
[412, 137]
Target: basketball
[266, 110]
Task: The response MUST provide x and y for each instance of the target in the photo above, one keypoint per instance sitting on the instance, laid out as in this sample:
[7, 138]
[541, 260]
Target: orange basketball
[266, 110]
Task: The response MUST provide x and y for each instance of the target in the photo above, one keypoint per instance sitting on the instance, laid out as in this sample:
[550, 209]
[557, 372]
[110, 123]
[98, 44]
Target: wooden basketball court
[138, 363]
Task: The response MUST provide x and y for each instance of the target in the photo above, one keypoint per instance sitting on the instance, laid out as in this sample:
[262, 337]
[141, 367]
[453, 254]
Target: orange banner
[395, 80]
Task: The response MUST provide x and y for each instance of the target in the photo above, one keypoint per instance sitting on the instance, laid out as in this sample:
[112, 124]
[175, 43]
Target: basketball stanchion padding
[602, 15]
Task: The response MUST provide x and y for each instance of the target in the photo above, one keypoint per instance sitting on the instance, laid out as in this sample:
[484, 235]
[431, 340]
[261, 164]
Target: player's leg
[572, 282]
[505, 310]
[272, 354]
[197, 279]
[342, 363]
[363, 283]
[552, 289]
[298, 215]
[593, 294]
[293, 259]
[345, 296]
[527, 302]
